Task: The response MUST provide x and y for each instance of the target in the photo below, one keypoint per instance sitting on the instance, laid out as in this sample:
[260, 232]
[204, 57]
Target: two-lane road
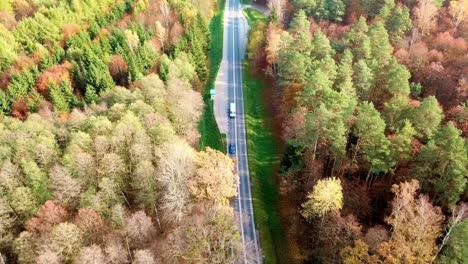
[234, 41]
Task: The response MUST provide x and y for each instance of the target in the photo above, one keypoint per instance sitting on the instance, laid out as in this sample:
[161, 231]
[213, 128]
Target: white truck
[232, 110]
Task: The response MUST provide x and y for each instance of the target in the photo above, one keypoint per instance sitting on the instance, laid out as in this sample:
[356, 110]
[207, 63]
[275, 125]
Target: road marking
[235, 129]
[247, 167]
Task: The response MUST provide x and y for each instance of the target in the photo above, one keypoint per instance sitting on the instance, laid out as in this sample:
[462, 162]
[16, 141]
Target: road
[229, 89]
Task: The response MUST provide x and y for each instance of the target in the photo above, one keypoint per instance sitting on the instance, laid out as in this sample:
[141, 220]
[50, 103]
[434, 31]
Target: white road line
[235, 137]
[248, 171]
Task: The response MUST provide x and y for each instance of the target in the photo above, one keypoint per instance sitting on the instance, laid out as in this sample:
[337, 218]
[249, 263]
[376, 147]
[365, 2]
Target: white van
[232, 110]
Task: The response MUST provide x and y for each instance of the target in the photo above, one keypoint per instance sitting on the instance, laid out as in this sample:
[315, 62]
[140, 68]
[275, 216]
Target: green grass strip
[210, 135]
[263, 161]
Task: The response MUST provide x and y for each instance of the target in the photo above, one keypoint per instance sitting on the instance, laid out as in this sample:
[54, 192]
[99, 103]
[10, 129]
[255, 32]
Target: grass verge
[210, 135]
[263, 161]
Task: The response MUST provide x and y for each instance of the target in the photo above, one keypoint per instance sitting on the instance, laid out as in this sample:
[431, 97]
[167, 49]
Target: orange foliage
[69, 30]
[20, 109]
[49, 215]
[54, 74]
[119, 70]
[176, 33]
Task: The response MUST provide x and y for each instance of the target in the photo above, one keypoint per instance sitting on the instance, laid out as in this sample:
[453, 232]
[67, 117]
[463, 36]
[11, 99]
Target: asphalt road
[235, 27]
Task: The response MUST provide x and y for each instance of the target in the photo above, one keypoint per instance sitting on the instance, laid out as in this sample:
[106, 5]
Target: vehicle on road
[232, 148]
[232, 110]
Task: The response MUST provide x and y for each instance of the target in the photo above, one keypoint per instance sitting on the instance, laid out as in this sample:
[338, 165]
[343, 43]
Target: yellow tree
[214, 178]
[459, 11]
[326, 196]
[416, 226]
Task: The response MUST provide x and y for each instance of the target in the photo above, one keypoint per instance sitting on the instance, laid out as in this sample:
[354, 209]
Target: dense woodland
[99, 109]
[371, 98]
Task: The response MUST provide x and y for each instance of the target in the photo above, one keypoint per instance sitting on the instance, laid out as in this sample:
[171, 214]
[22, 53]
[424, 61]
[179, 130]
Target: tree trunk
[157, 217]
[368, 175]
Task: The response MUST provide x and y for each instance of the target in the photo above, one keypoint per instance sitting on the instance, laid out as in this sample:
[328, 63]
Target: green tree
[381, 50]
[372, 143]
[58, 98]
[397, 78]
[326, 196]
[426, 117]
[442, 165]
[401, 143]
[456, 250]
[363, 79]
[299, 24]
[37, 180]
[398, 22]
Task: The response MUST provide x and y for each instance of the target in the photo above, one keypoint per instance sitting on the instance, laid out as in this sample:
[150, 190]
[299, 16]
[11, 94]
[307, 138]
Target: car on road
[232, 148]
[232, 110]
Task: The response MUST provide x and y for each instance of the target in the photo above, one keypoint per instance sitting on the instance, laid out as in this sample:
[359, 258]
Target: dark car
[232, 148]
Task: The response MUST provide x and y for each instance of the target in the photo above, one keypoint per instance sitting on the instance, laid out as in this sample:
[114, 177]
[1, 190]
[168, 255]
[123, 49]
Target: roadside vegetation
[263, 156]
[210, 135]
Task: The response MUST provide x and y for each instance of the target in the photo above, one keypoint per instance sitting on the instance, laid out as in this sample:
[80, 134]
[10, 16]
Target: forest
[99, 143]
[370, 101]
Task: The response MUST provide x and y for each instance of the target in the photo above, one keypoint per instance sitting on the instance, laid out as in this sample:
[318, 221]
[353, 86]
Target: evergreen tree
[58, 98]
[442, 165]
[363, 79]
[372, 143]
[299, 24]
[426, 117]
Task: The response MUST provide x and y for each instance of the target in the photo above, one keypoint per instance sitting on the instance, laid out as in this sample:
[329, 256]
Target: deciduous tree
[326, 196]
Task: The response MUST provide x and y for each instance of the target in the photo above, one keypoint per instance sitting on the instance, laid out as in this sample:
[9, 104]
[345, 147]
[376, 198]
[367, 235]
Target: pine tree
[442, 165]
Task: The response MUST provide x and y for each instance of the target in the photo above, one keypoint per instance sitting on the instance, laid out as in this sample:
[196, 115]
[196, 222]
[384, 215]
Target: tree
[401, 143]
[363, 79]
[397, 78]
[63, 187]
[426, 117]
[326, 196]
[459, 11]
[212, 238]
[380, 47]
[416, 225]
[276, 8]
[442, 165]
[370, 128]
[118, 69]
[91, 255]
[299, 24]
[139, 228]
[359, 253]
[175, 167]
[214, 179]
[7, 221]
[65, 240]
[184, 105]
[396, 111]
[425, 14]
[24, 202]
[161, 35]
[398, 22]
[456, 249]
[48, 216]
[143, 257]
[91, 224]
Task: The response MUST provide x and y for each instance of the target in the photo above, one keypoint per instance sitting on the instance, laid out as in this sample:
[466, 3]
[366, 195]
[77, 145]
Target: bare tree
[65, 189]
[140, 228]
[91, 255]
[425, 13]
[277, 6]
[143, 257]
[175, 166]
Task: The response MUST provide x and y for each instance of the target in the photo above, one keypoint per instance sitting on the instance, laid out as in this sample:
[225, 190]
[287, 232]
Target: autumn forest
[109, 150]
